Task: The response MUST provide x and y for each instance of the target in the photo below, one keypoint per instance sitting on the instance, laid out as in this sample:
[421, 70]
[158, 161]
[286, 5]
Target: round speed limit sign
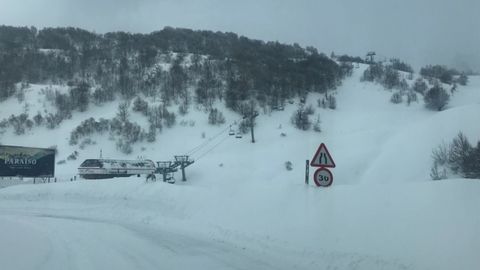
[323, 177]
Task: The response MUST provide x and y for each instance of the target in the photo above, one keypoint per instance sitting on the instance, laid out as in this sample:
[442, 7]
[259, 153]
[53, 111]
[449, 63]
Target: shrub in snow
[332, 102]
[244, 126]
[403, 85]
[436, 175]
[80, 96]
[440, 154]
[73, 156]
[169, 118]
[155, 117]
[101, 95]
[396, 98]
[215, 117]
[444, 74]
[183, 109]
[86, 142]
[411, 97]
[288, 165]
[38, 119]
[374, 72]
[123, 113]
[436, 98]
[459, 152]
[420, 86]
[459, 158]
[397, 64]
[152, 133]
[91, 126]
[300, 119]
[391, 78]
[140, 105]
[471, 164]
[20, 94]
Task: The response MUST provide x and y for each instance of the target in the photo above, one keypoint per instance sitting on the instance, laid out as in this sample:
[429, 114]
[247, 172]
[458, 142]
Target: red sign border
[317, 172]
[318, 152]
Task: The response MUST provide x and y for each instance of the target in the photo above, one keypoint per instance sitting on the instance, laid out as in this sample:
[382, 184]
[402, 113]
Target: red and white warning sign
[322, 158]
[323, 177]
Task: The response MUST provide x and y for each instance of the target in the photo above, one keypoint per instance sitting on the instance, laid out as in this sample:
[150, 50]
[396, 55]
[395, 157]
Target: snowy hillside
[241, 208]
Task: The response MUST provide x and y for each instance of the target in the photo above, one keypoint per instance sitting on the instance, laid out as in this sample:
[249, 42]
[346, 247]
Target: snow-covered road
[45, 241]
[127, 224]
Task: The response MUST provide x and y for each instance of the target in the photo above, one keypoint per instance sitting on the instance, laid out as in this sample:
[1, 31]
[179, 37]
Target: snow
[241, 209]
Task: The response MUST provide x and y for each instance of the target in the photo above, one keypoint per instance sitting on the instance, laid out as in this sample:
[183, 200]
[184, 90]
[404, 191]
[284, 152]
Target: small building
[111, 168]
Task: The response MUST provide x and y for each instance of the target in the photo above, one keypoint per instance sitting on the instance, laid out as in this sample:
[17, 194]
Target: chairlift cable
[212, 148]
[205, 143]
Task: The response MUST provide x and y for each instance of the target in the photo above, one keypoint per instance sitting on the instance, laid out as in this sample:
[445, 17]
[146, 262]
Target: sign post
[307, 171]
[322, 177]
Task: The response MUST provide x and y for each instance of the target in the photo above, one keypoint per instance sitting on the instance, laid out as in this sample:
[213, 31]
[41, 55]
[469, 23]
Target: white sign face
[322, 158]
[323, 177]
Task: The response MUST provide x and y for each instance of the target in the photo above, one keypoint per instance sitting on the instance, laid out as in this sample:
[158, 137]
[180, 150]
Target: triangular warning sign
[322, 158]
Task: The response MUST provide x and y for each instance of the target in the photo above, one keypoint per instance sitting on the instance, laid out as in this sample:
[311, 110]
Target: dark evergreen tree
[471, 165]
[442, 73]
[140, 105]
[38, 118]
[420, 86]
[124, 81]
[300, 119]
[436, 98]
[374, 72]
[391, 78]
[460, 150]
[123, 112]
[80, 96]
[152, 133]
[215, 117]
[401, 66]
[396, 98]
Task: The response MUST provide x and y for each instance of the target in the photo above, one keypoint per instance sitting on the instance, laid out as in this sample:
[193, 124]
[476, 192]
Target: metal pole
[184, 178]
[307, 167]
[251, 129]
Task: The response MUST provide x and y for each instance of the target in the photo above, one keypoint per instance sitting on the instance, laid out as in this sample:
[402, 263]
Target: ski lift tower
[183, 162]
[166, 169]
[370, 56]
[251, 116]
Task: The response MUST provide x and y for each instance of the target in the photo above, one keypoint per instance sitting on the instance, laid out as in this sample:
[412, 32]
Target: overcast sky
[417, 31]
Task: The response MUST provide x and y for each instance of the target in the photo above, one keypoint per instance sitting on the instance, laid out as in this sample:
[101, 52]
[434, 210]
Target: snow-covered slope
[241, 209]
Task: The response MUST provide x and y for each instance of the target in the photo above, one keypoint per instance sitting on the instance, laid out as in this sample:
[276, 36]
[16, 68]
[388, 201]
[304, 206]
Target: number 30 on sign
[323, 177]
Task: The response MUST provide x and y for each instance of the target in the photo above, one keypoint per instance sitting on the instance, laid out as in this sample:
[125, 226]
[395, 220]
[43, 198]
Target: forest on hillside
[164, 64]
